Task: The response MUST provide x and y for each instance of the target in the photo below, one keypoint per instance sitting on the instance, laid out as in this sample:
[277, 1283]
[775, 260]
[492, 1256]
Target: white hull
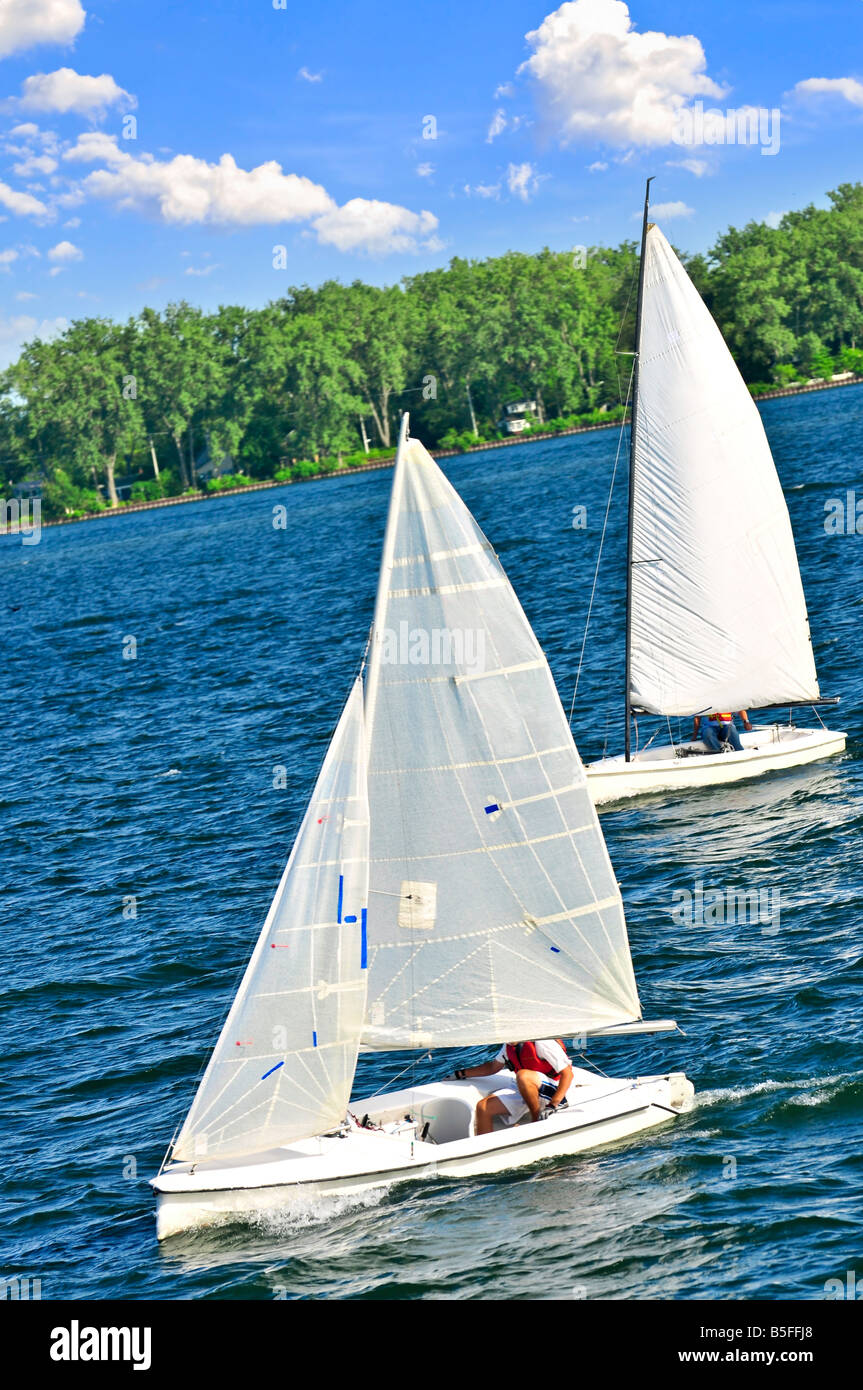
[600, 1111]
[770, 748]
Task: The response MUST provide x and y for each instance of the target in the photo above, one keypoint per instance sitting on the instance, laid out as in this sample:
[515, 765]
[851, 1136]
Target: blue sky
[257, 124]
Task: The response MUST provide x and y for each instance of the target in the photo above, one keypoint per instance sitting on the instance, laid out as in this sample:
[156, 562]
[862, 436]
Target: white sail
[283, 1067]
[494, 910]
[718, 613]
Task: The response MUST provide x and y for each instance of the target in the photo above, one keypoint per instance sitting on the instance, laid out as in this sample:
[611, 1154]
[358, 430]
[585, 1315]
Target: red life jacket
[525, 1057]
[721, 718]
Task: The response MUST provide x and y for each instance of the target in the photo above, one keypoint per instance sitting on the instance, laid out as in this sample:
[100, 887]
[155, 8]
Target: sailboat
[715, 611]
[449, 887]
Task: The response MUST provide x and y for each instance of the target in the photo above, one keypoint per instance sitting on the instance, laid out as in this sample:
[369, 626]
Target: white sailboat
[449, 887]
[716, 617]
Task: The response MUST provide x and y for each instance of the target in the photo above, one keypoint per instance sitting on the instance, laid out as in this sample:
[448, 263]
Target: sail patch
[417, 905]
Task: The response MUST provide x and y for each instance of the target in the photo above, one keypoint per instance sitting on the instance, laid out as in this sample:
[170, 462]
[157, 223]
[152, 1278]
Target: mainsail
[284, 1064]
[718, 613]
[494, 910]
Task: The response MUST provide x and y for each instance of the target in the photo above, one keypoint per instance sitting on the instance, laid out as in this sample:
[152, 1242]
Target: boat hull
[689, 766]
[600, 1111]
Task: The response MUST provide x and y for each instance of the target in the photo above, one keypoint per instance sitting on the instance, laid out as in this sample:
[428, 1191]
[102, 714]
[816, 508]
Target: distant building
[122, 486]
[517, 416]
[207, 467]
[29, 488]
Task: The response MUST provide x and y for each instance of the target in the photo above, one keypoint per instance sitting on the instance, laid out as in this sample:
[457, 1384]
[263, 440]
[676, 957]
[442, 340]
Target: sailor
[719, 729]
[542, 1075]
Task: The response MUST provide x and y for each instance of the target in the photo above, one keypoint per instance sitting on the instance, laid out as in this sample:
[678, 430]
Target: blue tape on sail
[272, 1069]
[490, 809]
[314, 1039]
[350, 919]
[341, 896]
[364, 951]
[556, 949]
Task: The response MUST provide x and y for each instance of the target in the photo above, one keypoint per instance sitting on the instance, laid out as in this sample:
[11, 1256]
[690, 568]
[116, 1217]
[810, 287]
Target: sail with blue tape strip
[284, 1064]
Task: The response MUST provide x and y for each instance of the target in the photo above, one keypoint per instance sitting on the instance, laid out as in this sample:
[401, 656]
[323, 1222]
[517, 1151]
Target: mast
[381, 602]
[632, 429]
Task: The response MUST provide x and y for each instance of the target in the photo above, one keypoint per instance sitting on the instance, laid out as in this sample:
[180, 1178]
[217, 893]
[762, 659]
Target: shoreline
[265, 485]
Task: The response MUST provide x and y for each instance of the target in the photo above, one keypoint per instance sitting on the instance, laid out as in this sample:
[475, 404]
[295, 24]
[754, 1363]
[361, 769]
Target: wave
[814, 1087]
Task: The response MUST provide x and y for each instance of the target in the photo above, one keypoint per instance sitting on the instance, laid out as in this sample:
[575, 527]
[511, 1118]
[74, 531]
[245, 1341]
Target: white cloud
[188, 190]
[24, 23]
[425, 171]
[72, 223]
[18, 327]
[36, 164]
[310, 76]
[24, 295]
[70, 199]
[773, 219]
[204, 269]
[30, 134]
[16, 331]
[601, 80]
[67, 90]
[7, 257]
[846, 87]
[698, 167]
[521, 180]
[665, 211]
[498, 124]
[65, 251]
[365, 224]
[505, 89]
[597, 166]
[483, 190]
[22, 204]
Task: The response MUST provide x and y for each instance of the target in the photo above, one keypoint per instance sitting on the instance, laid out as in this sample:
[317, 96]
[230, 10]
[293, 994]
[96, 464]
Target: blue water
[152, 780]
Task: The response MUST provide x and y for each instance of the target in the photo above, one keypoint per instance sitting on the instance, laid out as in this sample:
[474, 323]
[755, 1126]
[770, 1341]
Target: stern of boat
[689, 766]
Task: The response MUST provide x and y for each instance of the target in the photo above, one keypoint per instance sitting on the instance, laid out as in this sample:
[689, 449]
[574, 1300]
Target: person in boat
[718, 729]
[542, 1075]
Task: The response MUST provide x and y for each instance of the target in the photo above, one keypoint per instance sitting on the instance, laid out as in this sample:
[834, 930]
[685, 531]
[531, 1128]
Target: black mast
[633, 417]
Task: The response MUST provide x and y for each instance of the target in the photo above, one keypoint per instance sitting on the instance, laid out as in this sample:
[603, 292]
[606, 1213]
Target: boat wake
[815, 1090]
[309, 1209]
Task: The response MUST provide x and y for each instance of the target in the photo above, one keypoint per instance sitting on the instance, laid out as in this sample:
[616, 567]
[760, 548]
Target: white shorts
[511, 1097]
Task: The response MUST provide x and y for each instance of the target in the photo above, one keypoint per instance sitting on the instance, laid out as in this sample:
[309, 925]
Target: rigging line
[410, 1066]
[599, 554]
[583, 1057]
[617, 353]
[632, 279]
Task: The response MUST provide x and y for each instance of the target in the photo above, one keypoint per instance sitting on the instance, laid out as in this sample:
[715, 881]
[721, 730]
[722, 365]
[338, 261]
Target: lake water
[152, 779]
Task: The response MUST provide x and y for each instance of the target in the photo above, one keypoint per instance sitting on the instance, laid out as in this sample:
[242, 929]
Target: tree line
[319, 376]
